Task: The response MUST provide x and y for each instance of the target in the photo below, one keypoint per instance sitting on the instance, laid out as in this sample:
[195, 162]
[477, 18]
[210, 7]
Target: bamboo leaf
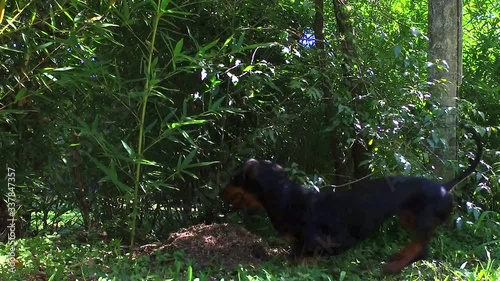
[129, 150]
[178, 47]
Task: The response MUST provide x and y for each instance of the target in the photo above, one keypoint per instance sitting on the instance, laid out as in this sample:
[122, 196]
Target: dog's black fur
[333, 221]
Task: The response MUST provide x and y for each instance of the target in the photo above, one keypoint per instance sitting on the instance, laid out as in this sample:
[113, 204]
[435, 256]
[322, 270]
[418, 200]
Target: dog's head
[247, 187]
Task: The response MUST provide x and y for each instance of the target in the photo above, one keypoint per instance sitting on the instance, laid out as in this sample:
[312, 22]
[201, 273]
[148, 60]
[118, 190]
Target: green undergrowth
[465, 253]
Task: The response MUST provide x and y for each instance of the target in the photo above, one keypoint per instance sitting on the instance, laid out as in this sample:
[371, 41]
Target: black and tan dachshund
[331, 222]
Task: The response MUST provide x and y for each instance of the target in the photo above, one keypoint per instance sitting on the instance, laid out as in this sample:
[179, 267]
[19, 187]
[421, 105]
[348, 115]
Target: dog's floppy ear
[251, 168]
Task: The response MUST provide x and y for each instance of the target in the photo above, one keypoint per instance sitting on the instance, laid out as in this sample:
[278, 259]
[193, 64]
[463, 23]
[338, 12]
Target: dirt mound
[225, 245]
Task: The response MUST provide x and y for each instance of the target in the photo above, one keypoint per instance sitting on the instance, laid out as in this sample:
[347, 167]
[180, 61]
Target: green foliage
[141, 109]
[464, 254]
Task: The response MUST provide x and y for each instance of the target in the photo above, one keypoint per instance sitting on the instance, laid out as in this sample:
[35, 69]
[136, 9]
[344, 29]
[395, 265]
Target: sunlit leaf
[130, 151]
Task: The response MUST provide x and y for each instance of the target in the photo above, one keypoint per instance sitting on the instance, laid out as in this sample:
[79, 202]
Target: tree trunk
[81, 195]
[319, 26]
[445, 47]
[346, 31]
[338, 155]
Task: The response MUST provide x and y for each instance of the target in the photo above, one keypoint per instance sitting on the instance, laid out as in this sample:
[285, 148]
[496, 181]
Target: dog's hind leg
[424, 224]
[416, 250]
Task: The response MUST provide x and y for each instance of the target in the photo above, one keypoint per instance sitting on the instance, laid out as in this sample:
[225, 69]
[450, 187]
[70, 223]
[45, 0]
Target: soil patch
[227, 245]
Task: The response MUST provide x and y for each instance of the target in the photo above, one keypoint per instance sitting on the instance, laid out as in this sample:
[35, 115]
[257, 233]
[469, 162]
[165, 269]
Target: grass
[468, 253]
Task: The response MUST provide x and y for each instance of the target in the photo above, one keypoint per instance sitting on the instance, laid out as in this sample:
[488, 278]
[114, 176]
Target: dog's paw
[393, 267]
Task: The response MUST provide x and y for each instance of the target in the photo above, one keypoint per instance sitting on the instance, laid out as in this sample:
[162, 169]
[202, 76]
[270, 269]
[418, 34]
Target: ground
[227, 245]
[232, 252]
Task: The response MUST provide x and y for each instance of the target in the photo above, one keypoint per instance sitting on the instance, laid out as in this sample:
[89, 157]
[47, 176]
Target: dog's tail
[458, 179]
